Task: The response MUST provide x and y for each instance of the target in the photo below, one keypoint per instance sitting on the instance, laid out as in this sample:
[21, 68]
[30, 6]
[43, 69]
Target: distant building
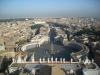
[38, 22]
[10, 44]
[2, 46]
[81, 39]
[61, 36]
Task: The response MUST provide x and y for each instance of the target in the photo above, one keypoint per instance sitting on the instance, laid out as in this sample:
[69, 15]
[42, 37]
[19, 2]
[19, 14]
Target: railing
[81, 53]
[50, 62]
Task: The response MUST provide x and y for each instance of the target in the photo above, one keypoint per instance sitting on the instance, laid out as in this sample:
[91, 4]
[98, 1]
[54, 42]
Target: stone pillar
[38, 44]
[92, 60]
[48, 60]
[56, 60]
[25, 59]
[32, 58]
[80, 60]
[52, 59]
[40, 60]
[19, 60]
[13, 60]
[48, 39]
[43, 60]
[71, 60]
[61, 60]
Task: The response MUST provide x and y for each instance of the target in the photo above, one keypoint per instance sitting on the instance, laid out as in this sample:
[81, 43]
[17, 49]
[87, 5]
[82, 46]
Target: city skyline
[49, 8]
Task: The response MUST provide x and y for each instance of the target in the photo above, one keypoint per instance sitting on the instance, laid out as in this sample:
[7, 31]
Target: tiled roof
[51, 70]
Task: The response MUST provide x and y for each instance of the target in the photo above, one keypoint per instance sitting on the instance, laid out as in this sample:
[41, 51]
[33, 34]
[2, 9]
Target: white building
[90, 68]
[38, 22]
[2, 46]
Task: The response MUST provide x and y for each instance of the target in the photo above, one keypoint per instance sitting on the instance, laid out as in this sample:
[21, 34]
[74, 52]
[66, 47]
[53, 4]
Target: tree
[21, 42]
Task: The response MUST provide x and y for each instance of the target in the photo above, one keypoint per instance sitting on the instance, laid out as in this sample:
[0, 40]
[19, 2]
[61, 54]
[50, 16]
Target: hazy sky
[49, 8]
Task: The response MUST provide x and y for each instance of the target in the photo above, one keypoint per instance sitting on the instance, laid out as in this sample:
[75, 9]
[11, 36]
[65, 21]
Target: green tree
[21, 42]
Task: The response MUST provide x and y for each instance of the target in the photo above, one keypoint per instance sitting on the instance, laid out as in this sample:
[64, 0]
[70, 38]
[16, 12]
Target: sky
[49, 8]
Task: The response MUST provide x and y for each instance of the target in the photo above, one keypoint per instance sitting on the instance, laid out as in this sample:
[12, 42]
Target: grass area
[94, 32]
[36, 26]
[88, 31]
[21, 42]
